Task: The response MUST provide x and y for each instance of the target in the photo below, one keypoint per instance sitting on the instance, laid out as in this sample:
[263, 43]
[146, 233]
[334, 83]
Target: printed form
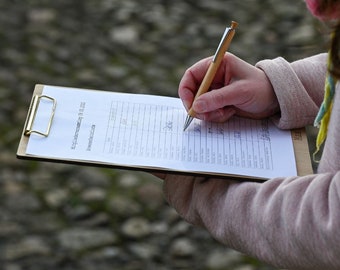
[146, 131]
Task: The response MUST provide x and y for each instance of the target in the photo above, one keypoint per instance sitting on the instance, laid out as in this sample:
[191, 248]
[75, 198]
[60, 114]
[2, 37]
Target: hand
[190, 195]
[238, 88]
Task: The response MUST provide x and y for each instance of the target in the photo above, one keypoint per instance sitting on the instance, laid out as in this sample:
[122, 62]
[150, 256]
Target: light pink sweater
[289, 222]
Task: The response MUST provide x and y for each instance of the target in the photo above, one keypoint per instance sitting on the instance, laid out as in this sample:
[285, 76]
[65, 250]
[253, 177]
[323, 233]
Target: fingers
[235, 94]
[192, 78]
[187, 96]
[238, 88]
[220, 115]
[178, 192]
[191, 81]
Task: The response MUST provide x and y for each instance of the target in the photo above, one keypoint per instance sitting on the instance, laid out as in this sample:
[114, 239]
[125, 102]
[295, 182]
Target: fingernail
[185, 105]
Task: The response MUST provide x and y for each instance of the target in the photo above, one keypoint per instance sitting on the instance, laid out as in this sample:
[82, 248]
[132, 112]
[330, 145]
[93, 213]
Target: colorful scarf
[323, 116]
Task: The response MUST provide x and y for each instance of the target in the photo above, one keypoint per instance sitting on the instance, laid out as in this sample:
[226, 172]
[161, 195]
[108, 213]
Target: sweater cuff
[297, 109]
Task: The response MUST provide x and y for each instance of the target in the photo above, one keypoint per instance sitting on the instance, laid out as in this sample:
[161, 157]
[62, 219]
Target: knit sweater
[292, 222]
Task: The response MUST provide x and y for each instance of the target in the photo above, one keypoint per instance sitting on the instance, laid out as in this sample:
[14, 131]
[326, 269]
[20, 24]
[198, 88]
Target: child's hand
[238, 88]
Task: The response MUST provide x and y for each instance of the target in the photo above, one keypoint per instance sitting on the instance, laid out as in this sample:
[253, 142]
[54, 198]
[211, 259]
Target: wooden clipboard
[299, 138]
[302, 152]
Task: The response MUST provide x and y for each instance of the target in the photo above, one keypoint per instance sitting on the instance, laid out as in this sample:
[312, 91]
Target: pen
[215, 63]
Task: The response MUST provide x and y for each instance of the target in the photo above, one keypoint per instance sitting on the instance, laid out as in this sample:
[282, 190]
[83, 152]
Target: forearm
[290, 223]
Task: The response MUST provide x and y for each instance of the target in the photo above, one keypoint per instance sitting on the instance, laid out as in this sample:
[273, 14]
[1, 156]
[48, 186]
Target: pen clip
[226, 34]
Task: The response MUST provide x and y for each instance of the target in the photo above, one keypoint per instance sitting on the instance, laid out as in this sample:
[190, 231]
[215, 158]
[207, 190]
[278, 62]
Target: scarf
[323, 116]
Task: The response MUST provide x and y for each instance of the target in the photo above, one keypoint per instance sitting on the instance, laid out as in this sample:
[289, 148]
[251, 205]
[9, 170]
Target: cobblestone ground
[55, 216]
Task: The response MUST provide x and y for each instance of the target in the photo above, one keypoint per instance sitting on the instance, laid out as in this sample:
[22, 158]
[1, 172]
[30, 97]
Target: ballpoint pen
[215, 63]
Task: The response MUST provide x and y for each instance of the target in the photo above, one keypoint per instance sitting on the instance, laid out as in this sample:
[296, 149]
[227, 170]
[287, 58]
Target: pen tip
[188, 121]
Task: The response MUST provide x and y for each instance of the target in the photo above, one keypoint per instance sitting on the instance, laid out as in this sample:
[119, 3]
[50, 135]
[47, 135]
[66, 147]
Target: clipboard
[32, 111]
[299, 139]
[302, 152]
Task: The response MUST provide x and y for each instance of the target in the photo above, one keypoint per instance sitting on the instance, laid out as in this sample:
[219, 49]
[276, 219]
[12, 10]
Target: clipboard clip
[33, 112]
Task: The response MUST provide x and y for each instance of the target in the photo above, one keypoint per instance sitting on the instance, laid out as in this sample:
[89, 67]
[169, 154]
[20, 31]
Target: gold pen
[215, 63]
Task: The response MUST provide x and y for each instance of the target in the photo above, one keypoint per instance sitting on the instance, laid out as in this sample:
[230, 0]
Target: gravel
[57, 216]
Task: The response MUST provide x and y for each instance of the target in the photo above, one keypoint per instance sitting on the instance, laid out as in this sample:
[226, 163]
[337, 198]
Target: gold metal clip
[33, 112]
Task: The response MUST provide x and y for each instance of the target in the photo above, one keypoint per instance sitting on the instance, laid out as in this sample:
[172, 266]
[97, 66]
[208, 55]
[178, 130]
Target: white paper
[147, 131]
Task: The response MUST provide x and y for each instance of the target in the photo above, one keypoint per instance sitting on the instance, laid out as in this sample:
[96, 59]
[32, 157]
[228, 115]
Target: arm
[289, 223]
[290, 91]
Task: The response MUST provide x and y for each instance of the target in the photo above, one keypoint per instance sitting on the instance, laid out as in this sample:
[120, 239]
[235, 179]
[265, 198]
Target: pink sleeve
[299, 87]
[289, 223]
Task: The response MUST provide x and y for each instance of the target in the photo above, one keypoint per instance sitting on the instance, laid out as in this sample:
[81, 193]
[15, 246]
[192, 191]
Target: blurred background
[55, 216]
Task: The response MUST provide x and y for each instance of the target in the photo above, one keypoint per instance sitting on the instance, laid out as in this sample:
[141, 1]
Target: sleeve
[299, 87]
[290, 223]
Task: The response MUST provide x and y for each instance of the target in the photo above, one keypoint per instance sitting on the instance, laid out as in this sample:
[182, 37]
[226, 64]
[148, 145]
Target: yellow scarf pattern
[323, 116]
